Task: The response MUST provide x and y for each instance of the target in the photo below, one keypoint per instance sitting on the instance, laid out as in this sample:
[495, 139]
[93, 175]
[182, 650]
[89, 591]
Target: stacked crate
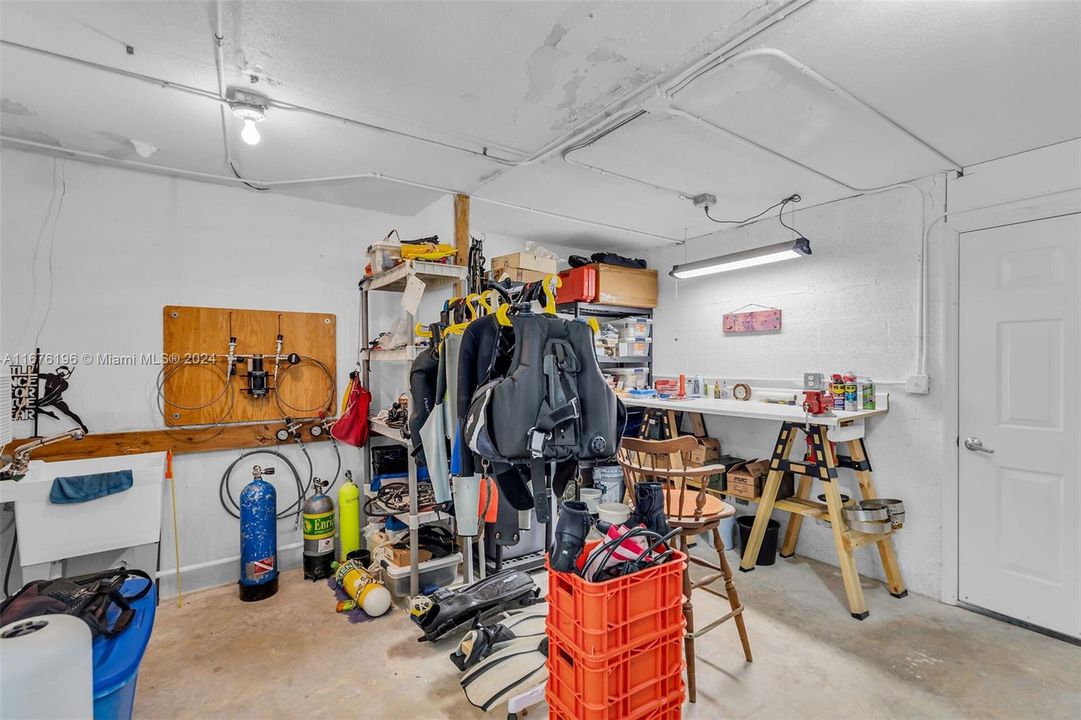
[615, 648]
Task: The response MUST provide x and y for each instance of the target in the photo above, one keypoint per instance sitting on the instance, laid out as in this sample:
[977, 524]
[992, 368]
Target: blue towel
[81, 488]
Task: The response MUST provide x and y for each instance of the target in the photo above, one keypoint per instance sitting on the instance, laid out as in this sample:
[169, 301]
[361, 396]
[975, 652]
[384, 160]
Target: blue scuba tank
[258, 538]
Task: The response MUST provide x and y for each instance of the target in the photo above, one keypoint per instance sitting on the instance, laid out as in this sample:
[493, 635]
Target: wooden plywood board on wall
[196, 345]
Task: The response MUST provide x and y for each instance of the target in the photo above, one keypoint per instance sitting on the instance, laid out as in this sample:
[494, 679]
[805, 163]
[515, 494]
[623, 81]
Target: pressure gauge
[742, 391]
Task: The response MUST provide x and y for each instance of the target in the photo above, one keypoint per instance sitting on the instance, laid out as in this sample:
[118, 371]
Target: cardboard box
[400, 556]
[708, 452]
[519, 275]
[523, 267]
[633, 287]
[747, 480]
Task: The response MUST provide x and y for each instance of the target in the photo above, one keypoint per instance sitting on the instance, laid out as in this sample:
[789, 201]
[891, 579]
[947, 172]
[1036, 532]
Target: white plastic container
[628, 378]
[633, 328]
[437, 571]
[384, 256]
[47, 668]
[634, 348]
[615, 512]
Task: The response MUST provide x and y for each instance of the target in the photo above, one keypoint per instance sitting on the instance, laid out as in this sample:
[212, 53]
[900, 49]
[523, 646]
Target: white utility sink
[49, 533]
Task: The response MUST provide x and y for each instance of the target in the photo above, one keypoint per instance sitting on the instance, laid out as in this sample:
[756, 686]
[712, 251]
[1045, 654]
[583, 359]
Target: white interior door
[1020, 501]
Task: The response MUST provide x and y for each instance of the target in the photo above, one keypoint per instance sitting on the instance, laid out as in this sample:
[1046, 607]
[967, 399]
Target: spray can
[851, 403]
[318, 517]
[348, 516]
[258, 538]
[867, 393]
[837, 389]
[367, 592]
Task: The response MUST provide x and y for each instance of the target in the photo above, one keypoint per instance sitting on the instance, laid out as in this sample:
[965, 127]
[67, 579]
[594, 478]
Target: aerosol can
[258, 537]
[348, 517]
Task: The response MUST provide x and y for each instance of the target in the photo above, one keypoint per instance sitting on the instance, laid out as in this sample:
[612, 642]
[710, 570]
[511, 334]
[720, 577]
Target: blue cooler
[116, 660]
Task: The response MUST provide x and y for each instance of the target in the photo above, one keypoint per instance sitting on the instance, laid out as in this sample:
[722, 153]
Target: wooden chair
[692, 508]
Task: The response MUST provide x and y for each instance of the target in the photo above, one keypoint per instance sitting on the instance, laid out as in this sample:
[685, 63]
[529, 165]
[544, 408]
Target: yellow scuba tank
[367, 592]
[348, 516]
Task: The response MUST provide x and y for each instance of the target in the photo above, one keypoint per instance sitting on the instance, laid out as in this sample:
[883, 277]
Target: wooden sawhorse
[823, 466]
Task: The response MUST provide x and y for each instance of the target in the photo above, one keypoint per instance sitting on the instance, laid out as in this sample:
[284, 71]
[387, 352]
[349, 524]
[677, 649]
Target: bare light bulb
[250, 133]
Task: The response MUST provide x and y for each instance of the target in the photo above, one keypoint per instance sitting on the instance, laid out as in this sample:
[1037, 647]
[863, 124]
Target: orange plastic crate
[603, 619]
[671, 708]
[636, 683]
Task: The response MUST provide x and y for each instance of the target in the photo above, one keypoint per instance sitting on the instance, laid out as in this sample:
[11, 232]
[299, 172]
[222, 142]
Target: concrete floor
[292, 656]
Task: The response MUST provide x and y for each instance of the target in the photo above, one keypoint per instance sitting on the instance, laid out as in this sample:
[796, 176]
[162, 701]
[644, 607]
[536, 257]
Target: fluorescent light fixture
[744, 259]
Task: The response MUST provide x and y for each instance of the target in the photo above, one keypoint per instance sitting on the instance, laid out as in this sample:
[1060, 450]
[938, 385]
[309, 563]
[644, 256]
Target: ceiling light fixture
[251, 108]
[777, 252]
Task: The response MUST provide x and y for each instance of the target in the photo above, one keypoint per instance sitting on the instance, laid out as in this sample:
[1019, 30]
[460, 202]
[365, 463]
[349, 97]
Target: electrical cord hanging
[11, 561]
[232, 166]
[790, 199]
[780, 216]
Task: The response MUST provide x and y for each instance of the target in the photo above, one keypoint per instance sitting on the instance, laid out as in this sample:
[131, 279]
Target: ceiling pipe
[211, 95]
[225, 179]
[830, 87]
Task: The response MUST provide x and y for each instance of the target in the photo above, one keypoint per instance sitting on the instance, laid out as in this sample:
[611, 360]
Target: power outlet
[917, 385]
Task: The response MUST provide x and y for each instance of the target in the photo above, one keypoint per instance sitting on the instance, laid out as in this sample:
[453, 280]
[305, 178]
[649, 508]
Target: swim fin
[521, 664]
[491, 636]
[451, 610]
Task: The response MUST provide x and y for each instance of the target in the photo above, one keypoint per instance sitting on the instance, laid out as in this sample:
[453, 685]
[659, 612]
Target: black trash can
[767, 554]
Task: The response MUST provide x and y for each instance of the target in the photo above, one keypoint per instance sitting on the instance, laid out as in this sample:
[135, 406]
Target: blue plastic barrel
[117, 659]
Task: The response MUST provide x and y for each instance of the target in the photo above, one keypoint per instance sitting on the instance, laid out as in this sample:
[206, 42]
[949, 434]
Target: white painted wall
[851, 305]
[123, 245]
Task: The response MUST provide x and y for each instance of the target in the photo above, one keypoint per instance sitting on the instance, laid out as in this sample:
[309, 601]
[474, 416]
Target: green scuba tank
[318, 517]
[349, 516]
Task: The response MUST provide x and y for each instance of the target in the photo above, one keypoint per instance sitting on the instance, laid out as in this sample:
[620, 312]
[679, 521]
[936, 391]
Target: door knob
[976, 445]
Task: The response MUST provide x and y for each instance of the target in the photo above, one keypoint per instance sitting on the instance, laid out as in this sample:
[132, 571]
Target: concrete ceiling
[492, 87]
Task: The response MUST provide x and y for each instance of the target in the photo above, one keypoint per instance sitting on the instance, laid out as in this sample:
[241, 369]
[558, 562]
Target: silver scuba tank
[318, 517]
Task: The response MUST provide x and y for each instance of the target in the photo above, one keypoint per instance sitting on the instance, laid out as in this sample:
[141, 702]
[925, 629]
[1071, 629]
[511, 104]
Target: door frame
[1050, 205]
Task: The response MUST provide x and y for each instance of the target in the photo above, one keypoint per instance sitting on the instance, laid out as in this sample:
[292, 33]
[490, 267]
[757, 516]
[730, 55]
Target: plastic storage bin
[644, 681]
[629, 377]
[603, 619]
[384, 256]
[433, 573]
[634, 348]
[117, 659]
[634, 328]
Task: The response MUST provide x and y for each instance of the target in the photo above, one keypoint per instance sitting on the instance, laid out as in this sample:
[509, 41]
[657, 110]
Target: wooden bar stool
[691, 507]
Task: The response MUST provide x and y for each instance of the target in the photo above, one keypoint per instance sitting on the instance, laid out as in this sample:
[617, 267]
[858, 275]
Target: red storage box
[579, 285]
[603, 619]
[645, 681]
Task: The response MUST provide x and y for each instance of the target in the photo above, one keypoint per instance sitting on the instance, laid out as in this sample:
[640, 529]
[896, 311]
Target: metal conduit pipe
[833, 88]
[211, 95]
[197, 175]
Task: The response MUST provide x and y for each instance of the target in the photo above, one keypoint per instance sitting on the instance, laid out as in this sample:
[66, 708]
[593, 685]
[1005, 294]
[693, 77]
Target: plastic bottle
[717, 389]
[699, 386]
[725, 392]
[837, 389]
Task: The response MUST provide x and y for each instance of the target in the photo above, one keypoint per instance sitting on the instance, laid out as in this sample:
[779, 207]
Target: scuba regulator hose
[226, 493]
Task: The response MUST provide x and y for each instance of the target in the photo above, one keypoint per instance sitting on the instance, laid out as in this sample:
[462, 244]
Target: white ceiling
[974, 80]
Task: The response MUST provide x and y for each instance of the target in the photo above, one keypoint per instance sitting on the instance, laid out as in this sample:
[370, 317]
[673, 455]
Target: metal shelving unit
[435, 276]
[612, 312]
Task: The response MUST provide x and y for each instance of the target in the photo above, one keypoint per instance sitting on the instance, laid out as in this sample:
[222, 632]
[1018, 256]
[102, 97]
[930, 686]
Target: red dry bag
[352, 427]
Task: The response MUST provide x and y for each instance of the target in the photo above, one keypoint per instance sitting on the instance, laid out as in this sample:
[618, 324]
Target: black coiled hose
[226, 493]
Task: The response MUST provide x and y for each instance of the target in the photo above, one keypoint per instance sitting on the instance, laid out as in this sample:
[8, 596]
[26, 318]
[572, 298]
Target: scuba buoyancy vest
[551, 404]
